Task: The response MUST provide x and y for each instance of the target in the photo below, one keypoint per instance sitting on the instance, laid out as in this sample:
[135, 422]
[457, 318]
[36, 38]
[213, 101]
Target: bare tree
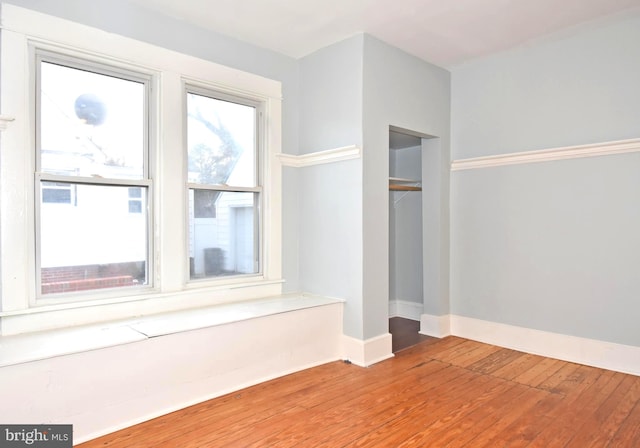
[214, 165]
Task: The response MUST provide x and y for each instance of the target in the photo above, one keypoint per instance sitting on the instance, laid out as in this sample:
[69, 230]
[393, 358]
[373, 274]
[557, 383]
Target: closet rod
[396, 187]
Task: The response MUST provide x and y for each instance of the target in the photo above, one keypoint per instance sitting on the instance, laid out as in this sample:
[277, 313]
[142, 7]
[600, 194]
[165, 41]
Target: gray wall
[351, 92]
[406, 92]
[435, 225]
[405, 228]
[331, 96]
[330, 195]
[127, 19]
[552, 246]
[576, 88]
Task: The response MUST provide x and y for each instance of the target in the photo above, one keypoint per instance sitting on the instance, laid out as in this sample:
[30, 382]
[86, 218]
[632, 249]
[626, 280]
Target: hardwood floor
[441, 392]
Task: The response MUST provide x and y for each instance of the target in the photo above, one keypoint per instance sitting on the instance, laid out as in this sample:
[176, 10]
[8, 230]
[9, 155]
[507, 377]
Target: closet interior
[405, 236]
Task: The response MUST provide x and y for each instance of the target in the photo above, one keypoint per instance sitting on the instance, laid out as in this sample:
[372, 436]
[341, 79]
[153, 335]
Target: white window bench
[30, 347]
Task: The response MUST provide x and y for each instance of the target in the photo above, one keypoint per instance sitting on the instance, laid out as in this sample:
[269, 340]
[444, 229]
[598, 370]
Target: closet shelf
[402, 180]
[396, 184]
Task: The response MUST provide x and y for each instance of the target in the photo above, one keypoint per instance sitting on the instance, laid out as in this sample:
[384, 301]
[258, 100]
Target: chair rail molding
[320, 157]
[548, 155]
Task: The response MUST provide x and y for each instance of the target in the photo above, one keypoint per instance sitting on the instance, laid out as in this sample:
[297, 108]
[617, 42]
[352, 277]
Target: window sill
[48, 316]
[30, 347]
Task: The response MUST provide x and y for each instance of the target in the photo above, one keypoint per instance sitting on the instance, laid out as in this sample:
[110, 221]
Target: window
[224, 187]
[91, 126]
[110, 196]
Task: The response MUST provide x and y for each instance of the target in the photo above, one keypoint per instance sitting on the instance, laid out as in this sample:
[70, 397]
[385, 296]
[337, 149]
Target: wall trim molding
[548, 155]
[405, 309]
[591, 352]
[320, 157]
[436, 326]
[367, 352]
[4, 121]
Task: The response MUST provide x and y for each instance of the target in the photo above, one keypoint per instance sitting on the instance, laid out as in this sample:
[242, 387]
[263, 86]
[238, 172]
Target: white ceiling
[444, 32]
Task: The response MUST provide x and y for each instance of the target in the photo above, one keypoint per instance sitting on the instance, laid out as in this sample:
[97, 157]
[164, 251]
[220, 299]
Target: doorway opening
[406, 292]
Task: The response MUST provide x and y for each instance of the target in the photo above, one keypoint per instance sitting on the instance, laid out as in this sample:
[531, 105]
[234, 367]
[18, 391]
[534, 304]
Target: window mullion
[170, 200]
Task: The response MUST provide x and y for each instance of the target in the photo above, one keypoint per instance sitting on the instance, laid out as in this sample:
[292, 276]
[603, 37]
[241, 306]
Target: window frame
[38, 56]
[259, 175]
[20, 31]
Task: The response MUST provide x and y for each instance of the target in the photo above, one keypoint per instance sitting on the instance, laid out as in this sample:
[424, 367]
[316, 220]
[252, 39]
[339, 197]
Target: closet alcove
[405, 237]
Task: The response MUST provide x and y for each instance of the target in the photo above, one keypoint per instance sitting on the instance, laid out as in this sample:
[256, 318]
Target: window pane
[90, 124]
[94, 242]
[223, 244]
[221, 142]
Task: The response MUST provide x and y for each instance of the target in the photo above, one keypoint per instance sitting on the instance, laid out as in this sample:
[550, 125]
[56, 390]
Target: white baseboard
[365, 353]
[591, 352]
[405, 309]
[437, 326]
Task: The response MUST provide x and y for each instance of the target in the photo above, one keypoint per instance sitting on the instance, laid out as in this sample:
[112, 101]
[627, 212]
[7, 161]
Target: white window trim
[172, 291]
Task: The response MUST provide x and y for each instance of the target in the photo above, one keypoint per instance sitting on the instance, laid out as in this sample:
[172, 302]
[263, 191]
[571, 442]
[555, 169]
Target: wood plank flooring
[447, 392]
